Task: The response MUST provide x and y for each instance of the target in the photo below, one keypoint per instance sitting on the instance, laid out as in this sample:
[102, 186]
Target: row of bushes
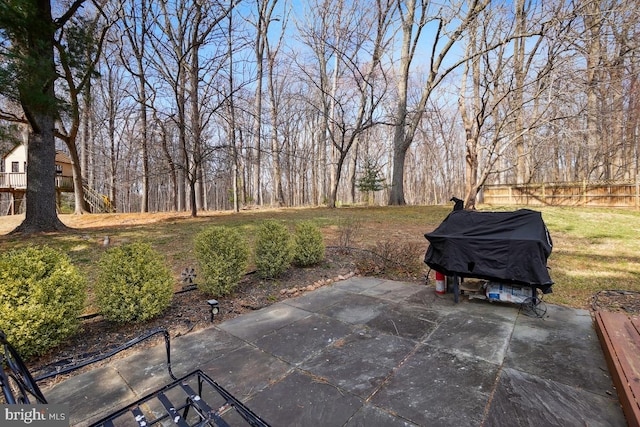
[42, 293]
[223, 253]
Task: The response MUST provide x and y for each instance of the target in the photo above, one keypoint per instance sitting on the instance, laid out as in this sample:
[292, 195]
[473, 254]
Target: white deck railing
[18, 181]
[13, 180]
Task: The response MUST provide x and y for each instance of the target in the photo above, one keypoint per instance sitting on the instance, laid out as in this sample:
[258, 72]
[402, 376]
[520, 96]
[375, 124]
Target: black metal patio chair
[192, 400]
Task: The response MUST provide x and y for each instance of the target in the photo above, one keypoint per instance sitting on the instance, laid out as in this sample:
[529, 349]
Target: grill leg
[456, 288]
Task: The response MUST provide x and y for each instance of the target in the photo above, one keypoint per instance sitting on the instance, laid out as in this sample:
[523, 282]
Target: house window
[58, 169]
[15, 167]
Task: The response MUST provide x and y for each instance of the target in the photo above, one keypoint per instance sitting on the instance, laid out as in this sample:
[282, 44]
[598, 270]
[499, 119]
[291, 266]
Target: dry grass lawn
[594, 249]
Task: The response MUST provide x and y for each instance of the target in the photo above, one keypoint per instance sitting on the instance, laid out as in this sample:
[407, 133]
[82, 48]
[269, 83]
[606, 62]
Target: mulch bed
[189, 311]
[617, 301]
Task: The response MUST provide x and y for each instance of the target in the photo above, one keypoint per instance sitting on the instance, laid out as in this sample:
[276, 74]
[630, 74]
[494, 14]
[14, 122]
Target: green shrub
[41, 296]
[274, 249]
[308, 244]
[133, 283]
[223, 256]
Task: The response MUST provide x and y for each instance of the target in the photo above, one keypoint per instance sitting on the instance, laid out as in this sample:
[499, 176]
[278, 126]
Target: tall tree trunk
[277, 195]
[442, 44]
[113, 155]
[322, 146]
[183, 155]
[85, 145]
[136, 33]
[257, 119]
[316, 163]
[396, 193]
[37, 96]
[196, 125]
[173, 175]
[41, 212]
[522, 173]
[70, 138]
[353, 165]
[81, 205]
[631, 132]
[593, 22]
[332, 135]
[471, 131]
[619, 161]
[144, 150]
[232, 119]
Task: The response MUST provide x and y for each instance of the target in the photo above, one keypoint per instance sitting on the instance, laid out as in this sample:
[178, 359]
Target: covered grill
[505, 247]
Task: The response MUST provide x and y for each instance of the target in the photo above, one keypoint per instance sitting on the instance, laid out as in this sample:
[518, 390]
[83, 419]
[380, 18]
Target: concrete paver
[374, 352]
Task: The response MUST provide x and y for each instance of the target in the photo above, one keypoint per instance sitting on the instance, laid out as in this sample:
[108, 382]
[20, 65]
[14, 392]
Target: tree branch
[59, 22]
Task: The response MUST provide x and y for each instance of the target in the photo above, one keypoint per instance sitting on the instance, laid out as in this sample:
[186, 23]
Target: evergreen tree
[27, 77]
[371, 179]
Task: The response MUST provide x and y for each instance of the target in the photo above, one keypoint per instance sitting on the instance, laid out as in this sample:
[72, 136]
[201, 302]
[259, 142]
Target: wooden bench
[619, 336]
[192, 400]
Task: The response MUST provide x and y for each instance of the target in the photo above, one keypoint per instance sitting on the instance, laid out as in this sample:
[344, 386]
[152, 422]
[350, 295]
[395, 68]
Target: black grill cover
[506, 247]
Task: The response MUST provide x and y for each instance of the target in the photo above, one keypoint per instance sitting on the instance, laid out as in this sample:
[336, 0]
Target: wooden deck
[17, 183]
[619, 335]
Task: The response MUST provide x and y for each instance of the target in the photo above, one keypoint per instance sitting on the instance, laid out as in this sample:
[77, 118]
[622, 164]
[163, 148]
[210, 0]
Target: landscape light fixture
[214, 305]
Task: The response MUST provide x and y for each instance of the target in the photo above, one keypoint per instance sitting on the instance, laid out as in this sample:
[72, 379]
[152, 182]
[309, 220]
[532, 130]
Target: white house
[13, 169]
[13, 178]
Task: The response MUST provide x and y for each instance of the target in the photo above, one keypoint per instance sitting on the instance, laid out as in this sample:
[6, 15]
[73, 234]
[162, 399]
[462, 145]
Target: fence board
[585, 194]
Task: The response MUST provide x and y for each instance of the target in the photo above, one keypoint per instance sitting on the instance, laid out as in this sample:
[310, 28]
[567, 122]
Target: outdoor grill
[504, 247]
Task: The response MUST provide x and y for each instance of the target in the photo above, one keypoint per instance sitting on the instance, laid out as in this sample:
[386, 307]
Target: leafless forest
[204, 104]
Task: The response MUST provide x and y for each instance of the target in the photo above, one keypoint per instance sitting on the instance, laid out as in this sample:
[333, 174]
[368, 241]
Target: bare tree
[136, 19]
[437, 153]
[231, 115]
[504, 107]
[79, 49]
[261, 21]
[168, 129]
[184, 30]
[608, 43]
[315, 32]
[275, 91]
[357, 114]
[358, 81]
[449, 23]
[115, 108]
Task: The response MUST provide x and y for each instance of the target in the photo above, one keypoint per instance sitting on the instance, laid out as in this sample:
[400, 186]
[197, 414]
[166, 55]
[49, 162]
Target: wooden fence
[586, 193]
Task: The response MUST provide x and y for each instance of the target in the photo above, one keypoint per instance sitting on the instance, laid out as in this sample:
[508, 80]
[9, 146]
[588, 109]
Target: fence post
[584, 192]
[637, 191]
